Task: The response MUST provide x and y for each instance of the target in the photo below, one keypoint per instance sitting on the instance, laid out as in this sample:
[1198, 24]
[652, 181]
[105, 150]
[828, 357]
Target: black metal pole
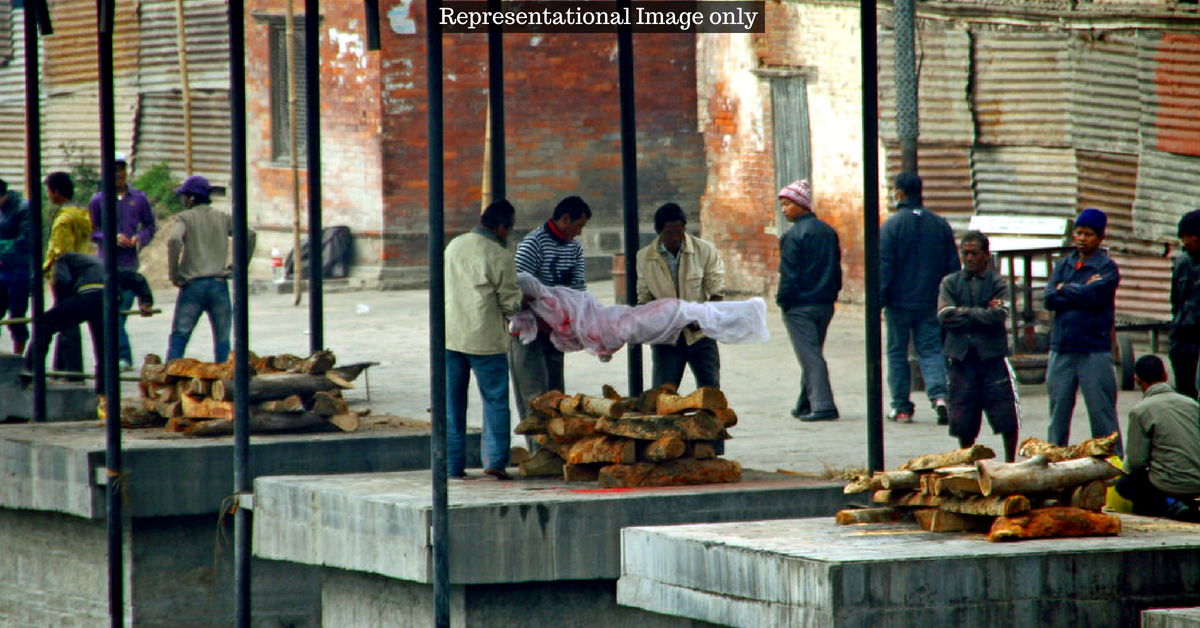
[241, 311]
[870, 117]
[496, 102]
[907, 119]
[437, 319]
[35, 13]
[112, 298]
[629, 185]
[312, 95]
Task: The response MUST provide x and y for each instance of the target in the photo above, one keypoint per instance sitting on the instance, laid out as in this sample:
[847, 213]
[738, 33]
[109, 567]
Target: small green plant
[159, 185]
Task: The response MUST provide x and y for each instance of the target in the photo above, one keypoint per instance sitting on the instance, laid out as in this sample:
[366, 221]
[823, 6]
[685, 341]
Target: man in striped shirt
[551, 254]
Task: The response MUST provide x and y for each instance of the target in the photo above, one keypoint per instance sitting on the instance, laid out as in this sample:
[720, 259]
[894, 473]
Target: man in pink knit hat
[810, 277]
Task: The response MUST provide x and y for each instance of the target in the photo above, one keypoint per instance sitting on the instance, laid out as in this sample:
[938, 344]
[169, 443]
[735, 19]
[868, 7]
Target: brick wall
[739, 206]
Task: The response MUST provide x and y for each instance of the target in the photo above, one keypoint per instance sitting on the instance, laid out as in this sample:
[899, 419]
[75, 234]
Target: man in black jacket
[972, 308]
[1185, 306]
[916, 250]
[79, 282]
[15, 270]
[810, 277]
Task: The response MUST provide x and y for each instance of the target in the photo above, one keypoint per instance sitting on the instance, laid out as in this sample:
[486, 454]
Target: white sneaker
[126, 366]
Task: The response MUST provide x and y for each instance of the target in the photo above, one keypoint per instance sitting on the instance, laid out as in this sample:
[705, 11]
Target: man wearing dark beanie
[1081, 291]
[1185, 306]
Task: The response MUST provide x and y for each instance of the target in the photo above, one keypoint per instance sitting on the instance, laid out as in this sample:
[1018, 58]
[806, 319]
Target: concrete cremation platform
[812, 572]
[178, 568]
[528, 552]
[65, 401]
[1171, 618]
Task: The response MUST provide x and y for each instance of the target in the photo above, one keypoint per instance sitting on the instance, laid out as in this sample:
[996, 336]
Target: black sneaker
[942, 408]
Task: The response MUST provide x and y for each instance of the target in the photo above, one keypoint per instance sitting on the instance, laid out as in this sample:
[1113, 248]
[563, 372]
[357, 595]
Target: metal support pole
[907, 119]
[496, 103]
[870, 117]
[242, 482]
[37, 17]
[437, 318]
[629, 187]
[312, 95]
[112, 299]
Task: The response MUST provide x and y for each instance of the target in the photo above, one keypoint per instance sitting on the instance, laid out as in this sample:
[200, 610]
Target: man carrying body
[481, 295]
[972, 308]
[551, 254]
[810, 277]
[1185, 306]
[15, 259]
[1081, 291]
[916, 250]
[135, 229]
[1162, 462]
[70, 232]
[676, 265]
[198, 264]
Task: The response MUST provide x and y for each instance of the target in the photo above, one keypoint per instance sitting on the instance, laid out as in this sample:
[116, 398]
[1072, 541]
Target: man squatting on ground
[551, 254]
[1185, 306]
[810, 277]
[916, 250]
[972, 308]
[198, 264]
[1162, 461]
[481, 295]
[1081, 291]
[16, 271]
[677, 265]
[79, 284]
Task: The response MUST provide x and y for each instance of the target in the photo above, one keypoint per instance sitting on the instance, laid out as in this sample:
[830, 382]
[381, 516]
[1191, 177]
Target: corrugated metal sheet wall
[206, 24]
[1020, 85]
[1168, 186]
[943, 64]
[70, 127]
[70, 53]
[1104, 93]
[1173, 96]
[159, 139]
[1025, 180]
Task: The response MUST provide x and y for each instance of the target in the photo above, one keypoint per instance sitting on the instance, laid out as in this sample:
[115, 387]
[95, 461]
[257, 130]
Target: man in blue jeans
[481, 294]
[916, 250]
[198, 264]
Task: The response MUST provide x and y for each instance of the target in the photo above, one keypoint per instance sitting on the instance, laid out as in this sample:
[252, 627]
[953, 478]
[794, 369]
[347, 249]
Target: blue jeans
[207, 294]
[124, 350]
[491, 376]
[922, 326]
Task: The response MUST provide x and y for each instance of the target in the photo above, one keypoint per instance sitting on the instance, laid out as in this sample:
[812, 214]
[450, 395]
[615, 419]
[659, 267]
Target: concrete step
[1171, 618]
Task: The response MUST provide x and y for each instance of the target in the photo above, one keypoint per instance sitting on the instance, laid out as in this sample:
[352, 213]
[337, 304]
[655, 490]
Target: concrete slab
[65, 401]
[1171, 618]
[500, 532]
[58, 467]
[811, 572]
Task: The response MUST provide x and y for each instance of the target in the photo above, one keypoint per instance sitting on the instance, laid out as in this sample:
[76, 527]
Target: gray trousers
[703, 357]
[536, 368]
[806, 326]
[1092, 373]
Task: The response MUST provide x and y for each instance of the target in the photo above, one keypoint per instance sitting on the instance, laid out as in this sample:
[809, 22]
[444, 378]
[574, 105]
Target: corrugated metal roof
[1025, 180]
[943, 65]
[206, 28]
[1104, 95]
[71, 52]
[160, 135]
[1167, 186]
[1172, 92]
[946, 177]
[1020, 87]
[71, 131]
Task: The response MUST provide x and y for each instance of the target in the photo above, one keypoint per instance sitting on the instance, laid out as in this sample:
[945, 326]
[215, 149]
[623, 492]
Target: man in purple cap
[135, 229]
[1082, 291]
[810, 277]
[198, 264]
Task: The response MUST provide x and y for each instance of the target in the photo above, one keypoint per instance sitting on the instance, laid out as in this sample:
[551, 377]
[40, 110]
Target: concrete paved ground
[761, 381]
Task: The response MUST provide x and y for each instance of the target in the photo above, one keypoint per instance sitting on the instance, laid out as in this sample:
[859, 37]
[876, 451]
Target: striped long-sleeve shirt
[554, 261]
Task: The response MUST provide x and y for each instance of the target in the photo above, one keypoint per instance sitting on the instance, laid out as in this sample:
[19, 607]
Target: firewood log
[700, 450]
[882, 496]
[695, 427]
[165, 393]
[135, 418]
[581, 472]
[275, 386]
[1037, 475]
[559, 445]
[610, 449]
[915, 499]
[864, 483]
[704, 398]
[608, 392]
[261, 422]
[1102, 447]
[206, 408]
[886, 514]
[571, 405]
[518, 454]
[166, 410]
[663, 449]
[318, 363]
[960, 456]
[926, 483]
[188, 368]
[532, 424]
[677, 472]
[156, 373]
[285, 362]
[958, 484]
[572, 426]
[726, 415]
[291, 403]
[900, 480]
[996, 506]
[346, 421]
[1061, 521]
[326, 403]
[542, 463]
[144, 389]
[546, 404]
[647, 402]
[924, 517]
[1091, 496]
[946, 521]
[599, 406]
[199, 387]
[177, 424]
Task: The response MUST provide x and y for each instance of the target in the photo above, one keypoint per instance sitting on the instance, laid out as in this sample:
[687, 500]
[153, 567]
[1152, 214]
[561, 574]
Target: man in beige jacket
[481, 294]
[676, 265]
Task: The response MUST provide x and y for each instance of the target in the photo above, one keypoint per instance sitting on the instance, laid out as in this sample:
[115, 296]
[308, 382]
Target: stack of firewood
[286, 393]
[1057, 492]
[656, 439]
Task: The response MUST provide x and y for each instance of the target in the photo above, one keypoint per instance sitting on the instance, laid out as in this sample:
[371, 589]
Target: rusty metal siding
[1145, 289]
[1107, 181]
[1171, 92]
[946, 174]
[1167, 187]
[1020, 86]
[160, 138]
[12, 73]
[943, 73]
[12, 137]
[70, 127]
[71, 52]
[8, 40]
[206, 29]
[1105, 106]
[1025, 180]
